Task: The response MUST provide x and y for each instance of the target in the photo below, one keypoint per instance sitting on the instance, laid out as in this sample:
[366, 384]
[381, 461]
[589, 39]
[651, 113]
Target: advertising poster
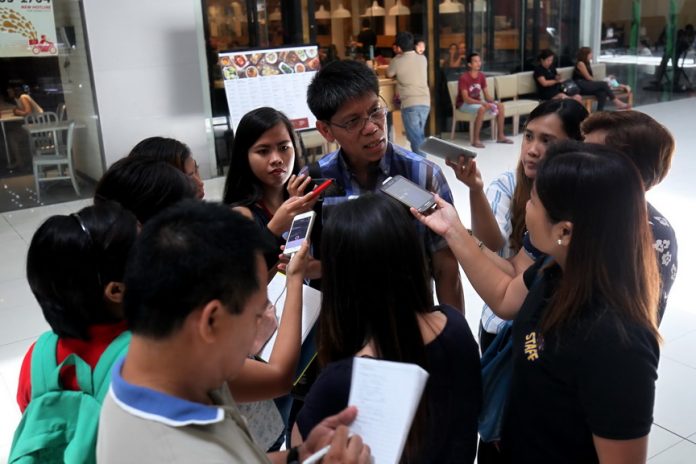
[27, 28]
[276, 77]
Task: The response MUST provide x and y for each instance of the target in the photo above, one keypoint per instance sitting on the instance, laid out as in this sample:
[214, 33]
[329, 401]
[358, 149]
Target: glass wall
[508, 35]
[46, 82]
[648, 44]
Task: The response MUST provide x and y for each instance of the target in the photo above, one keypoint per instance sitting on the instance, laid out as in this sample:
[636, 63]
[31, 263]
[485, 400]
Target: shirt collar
[160, 407]
[384, 163]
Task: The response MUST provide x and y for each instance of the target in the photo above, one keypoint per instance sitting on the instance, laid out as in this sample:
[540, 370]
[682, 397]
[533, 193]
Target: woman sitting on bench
[582, 75]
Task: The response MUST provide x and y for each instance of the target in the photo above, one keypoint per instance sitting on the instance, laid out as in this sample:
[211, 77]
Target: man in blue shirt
[344, 97]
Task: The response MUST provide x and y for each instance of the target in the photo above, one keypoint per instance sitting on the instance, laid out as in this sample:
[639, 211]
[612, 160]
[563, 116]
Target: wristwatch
[293, 456]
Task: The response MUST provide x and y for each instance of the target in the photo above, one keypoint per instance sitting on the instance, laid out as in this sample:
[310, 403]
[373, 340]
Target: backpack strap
[102, 371]
[43, 363]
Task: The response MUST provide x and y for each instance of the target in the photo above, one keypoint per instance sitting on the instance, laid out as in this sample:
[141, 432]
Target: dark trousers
[599, 89]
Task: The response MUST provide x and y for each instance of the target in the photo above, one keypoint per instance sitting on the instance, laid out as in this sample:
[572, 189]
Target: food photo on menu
[269, 63]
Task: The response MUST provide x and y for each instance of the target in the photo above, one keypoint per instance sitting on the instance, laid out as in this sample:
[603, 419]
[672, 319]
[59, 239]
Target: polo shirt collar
[160, 407]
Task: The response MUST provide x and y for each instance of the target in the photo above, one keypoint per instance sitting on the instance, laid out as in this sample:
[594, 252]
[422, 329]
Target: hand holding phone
[299, 232]
[408, 193]
[444, 149]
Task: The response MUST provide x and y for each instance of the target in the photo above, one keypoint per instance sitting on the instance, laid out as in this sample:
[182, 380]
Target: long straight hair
[242, 187]
[610, 257]
[374, 286]
[571, 114]
[583, 56]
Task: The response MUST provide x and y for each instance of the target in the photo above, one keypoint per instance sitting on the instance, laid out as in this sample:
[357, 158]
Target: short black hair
[405, 41]
[70, 261]
[337, 83]
[471, 56]
[185, 257]
[144, 185]
[165, 149]
[545, 53]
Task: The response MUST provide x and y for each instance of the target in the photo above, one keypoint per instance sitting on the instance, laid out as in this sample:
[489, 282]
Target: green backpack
[61, 425]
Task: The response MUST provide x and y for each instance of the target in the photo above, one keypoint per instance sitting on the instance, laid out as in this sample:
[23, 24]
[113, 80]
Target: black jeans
[599, 89]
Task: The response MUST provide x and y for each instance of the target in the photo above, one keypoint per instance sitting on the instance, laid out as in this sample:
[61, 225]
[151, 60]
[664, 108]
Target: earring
[559, 241]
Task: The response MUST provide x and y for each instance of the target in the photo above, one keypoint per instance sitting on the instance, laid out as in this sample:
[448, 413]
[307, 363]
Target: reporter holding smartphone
[585, 345]
[263, 182]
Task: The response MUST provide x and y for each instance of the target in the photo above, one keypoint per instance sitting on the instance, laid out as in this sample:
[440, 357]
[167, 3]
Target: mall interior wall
[148, 61]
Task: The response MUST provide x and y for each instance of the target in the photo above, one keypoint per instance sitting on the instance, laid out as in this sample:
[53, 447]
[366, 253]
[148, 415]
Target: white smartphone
[444, 149]
[408, 193]
[299, 232]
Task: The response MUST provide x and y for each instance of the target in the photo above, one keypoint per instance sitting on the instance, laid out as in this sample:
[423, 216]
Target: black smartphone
[408, 193]
[444, 149]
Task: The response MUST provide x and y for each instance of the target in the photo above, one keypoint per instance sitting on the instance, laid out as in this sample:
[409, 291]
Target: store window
[48, 108]
[649, 45]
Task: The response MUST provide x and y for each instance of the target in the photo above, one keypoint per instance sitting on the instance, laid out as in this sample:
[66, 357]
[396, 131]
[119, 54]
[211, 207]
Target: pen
[316, 457]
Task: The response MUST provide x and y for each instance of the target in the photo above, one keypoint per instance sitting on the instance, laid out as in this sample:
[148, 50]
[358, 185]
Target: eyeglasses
[358, 124]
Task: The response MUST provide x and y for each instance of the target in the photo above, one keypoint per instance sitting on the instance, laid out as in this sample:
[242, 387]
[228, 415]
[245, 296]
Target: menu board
[276, 77]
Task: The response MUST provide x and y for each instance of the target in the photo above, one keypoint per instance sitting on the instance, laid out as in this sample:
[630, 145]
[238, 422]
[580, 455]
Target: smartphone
[408, 193]
[444, 149]
[299, 232]
[323, 186]
[331, 190]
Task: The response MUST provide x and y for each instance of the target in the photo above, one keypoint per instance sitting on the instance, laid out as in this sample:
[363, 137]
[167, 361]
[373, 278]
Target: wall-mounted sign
[27, 28]
[275, 77]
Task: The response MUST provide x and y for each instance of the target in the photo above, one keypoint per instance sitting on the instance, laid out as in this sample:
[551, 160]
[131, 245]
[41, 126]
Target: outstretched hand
[467, 172]
[442, 220]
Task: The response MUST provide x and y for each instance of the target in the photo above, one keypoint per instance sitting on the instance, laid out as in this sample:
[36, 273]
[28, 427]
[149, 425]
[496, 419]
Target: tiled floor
[673, 437]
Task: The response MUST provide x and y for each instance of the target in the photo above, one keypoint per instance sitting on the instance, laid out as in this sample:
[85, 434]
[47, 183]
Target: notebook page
[311, 304]
[387, 395]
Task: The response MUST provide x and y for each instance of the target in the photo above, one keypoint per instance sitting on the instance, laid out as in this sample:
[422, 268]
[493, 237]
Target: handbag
[570, 87]
[496, 376]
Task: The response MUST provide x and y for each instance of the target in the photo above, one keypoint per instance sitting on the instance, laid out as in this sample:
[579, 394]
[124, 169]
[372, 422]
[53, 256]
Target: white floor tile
[9, 411]
[15, 293]
[675, 408]
[683, 452]
[682, 349]
[660, 440]
[21, 323]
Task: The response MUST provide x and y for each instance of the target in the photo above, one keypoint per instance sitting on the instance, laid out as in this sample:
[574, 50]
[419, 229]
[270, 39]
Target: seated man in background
[473, 97]
[344, 97]
[196, 285]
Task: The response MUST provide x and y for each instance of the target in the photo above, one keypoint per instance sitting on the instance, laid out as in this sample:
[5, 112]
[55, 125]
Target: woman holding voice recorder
[584, 338]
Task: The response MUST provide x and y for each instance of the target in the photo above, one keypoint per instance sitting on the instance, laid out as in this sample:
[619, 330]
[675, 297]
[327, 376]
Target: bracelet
[479, 243]
[293, 456]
